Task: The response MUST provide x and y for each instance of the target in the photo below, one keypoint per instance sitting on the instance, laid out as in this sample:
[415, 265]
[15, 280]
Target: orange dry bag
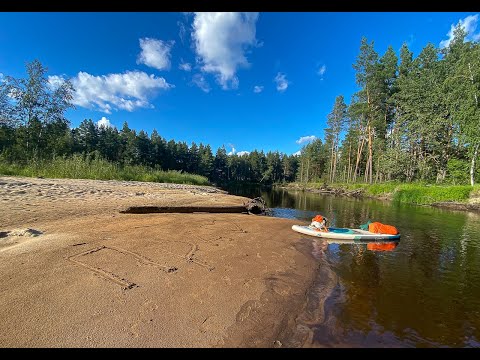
[379, 228]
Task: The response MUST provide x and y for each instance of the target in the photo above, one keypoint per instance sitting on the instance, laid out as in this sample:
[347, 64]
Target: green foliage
[415, 193]
[89, 167]
[424, 195]
[457, 171]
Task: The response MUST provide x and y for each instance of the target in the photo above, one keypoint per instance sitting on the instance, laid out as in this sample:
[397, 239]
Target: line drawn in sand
[124, 283]
[234, 227]
[189, 257]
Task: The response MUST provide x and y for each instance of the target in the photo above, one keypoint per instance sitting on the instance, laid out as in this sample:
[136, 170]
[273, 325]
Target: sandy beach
[76, 272]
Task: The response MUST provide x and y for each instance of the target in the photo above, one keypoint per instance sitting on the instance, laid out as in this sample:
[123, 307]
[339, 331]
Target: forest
[413, 119]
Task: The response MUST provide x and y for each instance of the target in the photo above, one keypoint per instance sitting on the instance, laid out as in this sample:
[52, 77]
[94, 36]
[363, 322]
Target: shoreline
[79, 273]
[472, 204]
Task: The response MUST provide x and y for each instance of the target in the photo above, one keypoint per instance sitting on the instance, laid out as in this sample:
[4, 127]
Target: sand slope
[92, 277]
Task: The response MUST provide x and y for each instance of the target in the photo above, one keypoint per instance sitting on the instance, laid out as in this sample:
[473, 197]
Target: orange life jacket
[318, 218]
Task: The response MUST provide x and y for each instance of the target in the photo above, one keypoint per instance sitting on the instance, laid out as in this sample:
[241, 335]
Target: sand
[75, 272]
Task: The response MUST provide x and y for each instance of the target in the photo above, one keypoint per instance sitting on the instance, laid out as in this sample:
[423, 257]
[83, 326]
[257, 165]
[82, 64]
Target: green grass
[414, 193]
[76, 167]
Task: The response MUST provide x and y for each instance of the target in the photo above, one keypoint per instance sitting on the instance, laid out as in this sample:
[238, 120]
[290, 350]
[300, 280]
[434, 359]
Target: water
[423, 293]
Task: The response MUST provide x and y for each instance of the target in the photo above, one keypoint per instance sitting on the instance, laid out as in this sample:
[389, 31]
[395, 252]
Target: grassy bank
[414, 193]
[77, 167]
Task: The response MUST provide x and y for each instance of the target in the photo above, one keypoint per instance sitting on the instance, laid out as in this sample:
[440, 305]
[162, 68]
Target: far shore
[416, 194]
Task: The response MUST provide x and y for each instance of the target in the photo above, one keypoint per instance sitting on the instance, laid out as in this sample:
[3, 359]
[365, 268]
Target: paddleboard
[355, 235]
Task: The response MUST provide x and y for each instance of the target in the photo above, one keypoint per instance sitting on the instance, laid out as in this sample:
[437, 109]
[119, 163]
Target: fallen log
[185, 209]
[354, 193]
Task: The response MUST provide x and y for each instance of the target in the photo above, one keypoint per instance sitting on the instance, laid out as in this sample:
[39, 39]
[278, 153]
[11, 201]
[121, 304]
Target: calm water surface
[424, 293]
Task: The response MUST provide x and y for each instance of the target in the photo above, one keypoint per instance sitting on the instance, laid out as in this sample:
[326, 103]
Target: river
[423, 293]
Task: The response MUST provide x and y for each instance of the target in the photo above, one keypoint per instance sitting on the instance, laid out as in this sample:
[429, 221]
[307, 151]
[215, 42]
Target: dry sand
[85, 275]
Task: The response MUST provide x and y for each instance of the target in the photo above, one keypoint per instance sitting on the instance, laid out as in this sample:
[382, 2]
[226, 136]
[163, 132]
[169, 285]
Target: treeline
[130, 148]
[33, 128]
[413, 119]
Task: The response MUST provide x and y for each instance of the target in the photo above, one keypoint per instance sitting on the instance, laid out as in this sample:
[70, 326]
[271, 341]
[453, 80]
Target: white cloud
[233, 150]
[257, 89]
[127, 91]
[155, 53]
[282, 82]
[104, 122]
[298, 153]
[469, 24]
[54, 81]
[185, 66]
[1, 77]
[241, 153]
[322, 70]
[305, 139]
[200, 81]
[221, 40]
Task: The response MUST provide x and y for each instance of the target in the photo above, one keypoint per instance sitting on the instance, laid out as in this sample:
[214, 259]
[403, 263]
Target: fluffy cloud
[200, 81]
[185, 66]
[282, 82]
[127, 91]
[104, 122]
[469, 24]
[298, 153]
[322, 70]
[257, 89]
[155, 53]
[241, 153]
[221, 40]
[305, 139]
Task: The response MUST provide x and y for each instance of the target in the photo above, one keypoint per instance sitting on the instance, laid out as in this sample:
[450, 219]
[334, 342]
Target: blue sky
[247, 81]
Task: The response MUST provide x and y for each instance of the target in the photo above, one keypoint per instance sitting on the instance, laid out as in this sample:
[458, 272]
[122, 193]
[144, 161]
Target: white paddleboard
[354, 235]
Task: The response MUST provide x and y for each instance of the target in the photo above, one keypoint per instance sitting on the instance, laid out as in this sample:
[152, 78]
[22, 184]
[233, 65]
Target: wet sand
[86, 275]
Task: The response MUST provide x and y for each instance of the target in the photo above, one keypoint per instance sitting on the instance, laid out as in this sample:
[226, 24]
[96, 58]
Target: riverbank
[79, 167]
[455, 197]
[77, 272]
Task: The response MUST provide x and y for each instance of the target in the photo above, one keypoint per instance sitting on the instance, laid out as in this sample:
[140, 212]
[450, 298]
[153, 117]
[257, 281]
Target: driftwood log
[324, 189]
[254, 206]
[184, 209]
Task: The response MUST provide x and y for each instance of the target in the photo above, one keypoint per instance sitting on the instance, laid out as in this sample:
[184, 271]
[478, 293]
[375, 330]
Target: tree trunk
[301, 172]
[334, 165]
[377, 172]
[308, 168]
[331, 161]
[359, 154]
[472, 166]
[370, 153]
[370, 150]
[349, 166]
